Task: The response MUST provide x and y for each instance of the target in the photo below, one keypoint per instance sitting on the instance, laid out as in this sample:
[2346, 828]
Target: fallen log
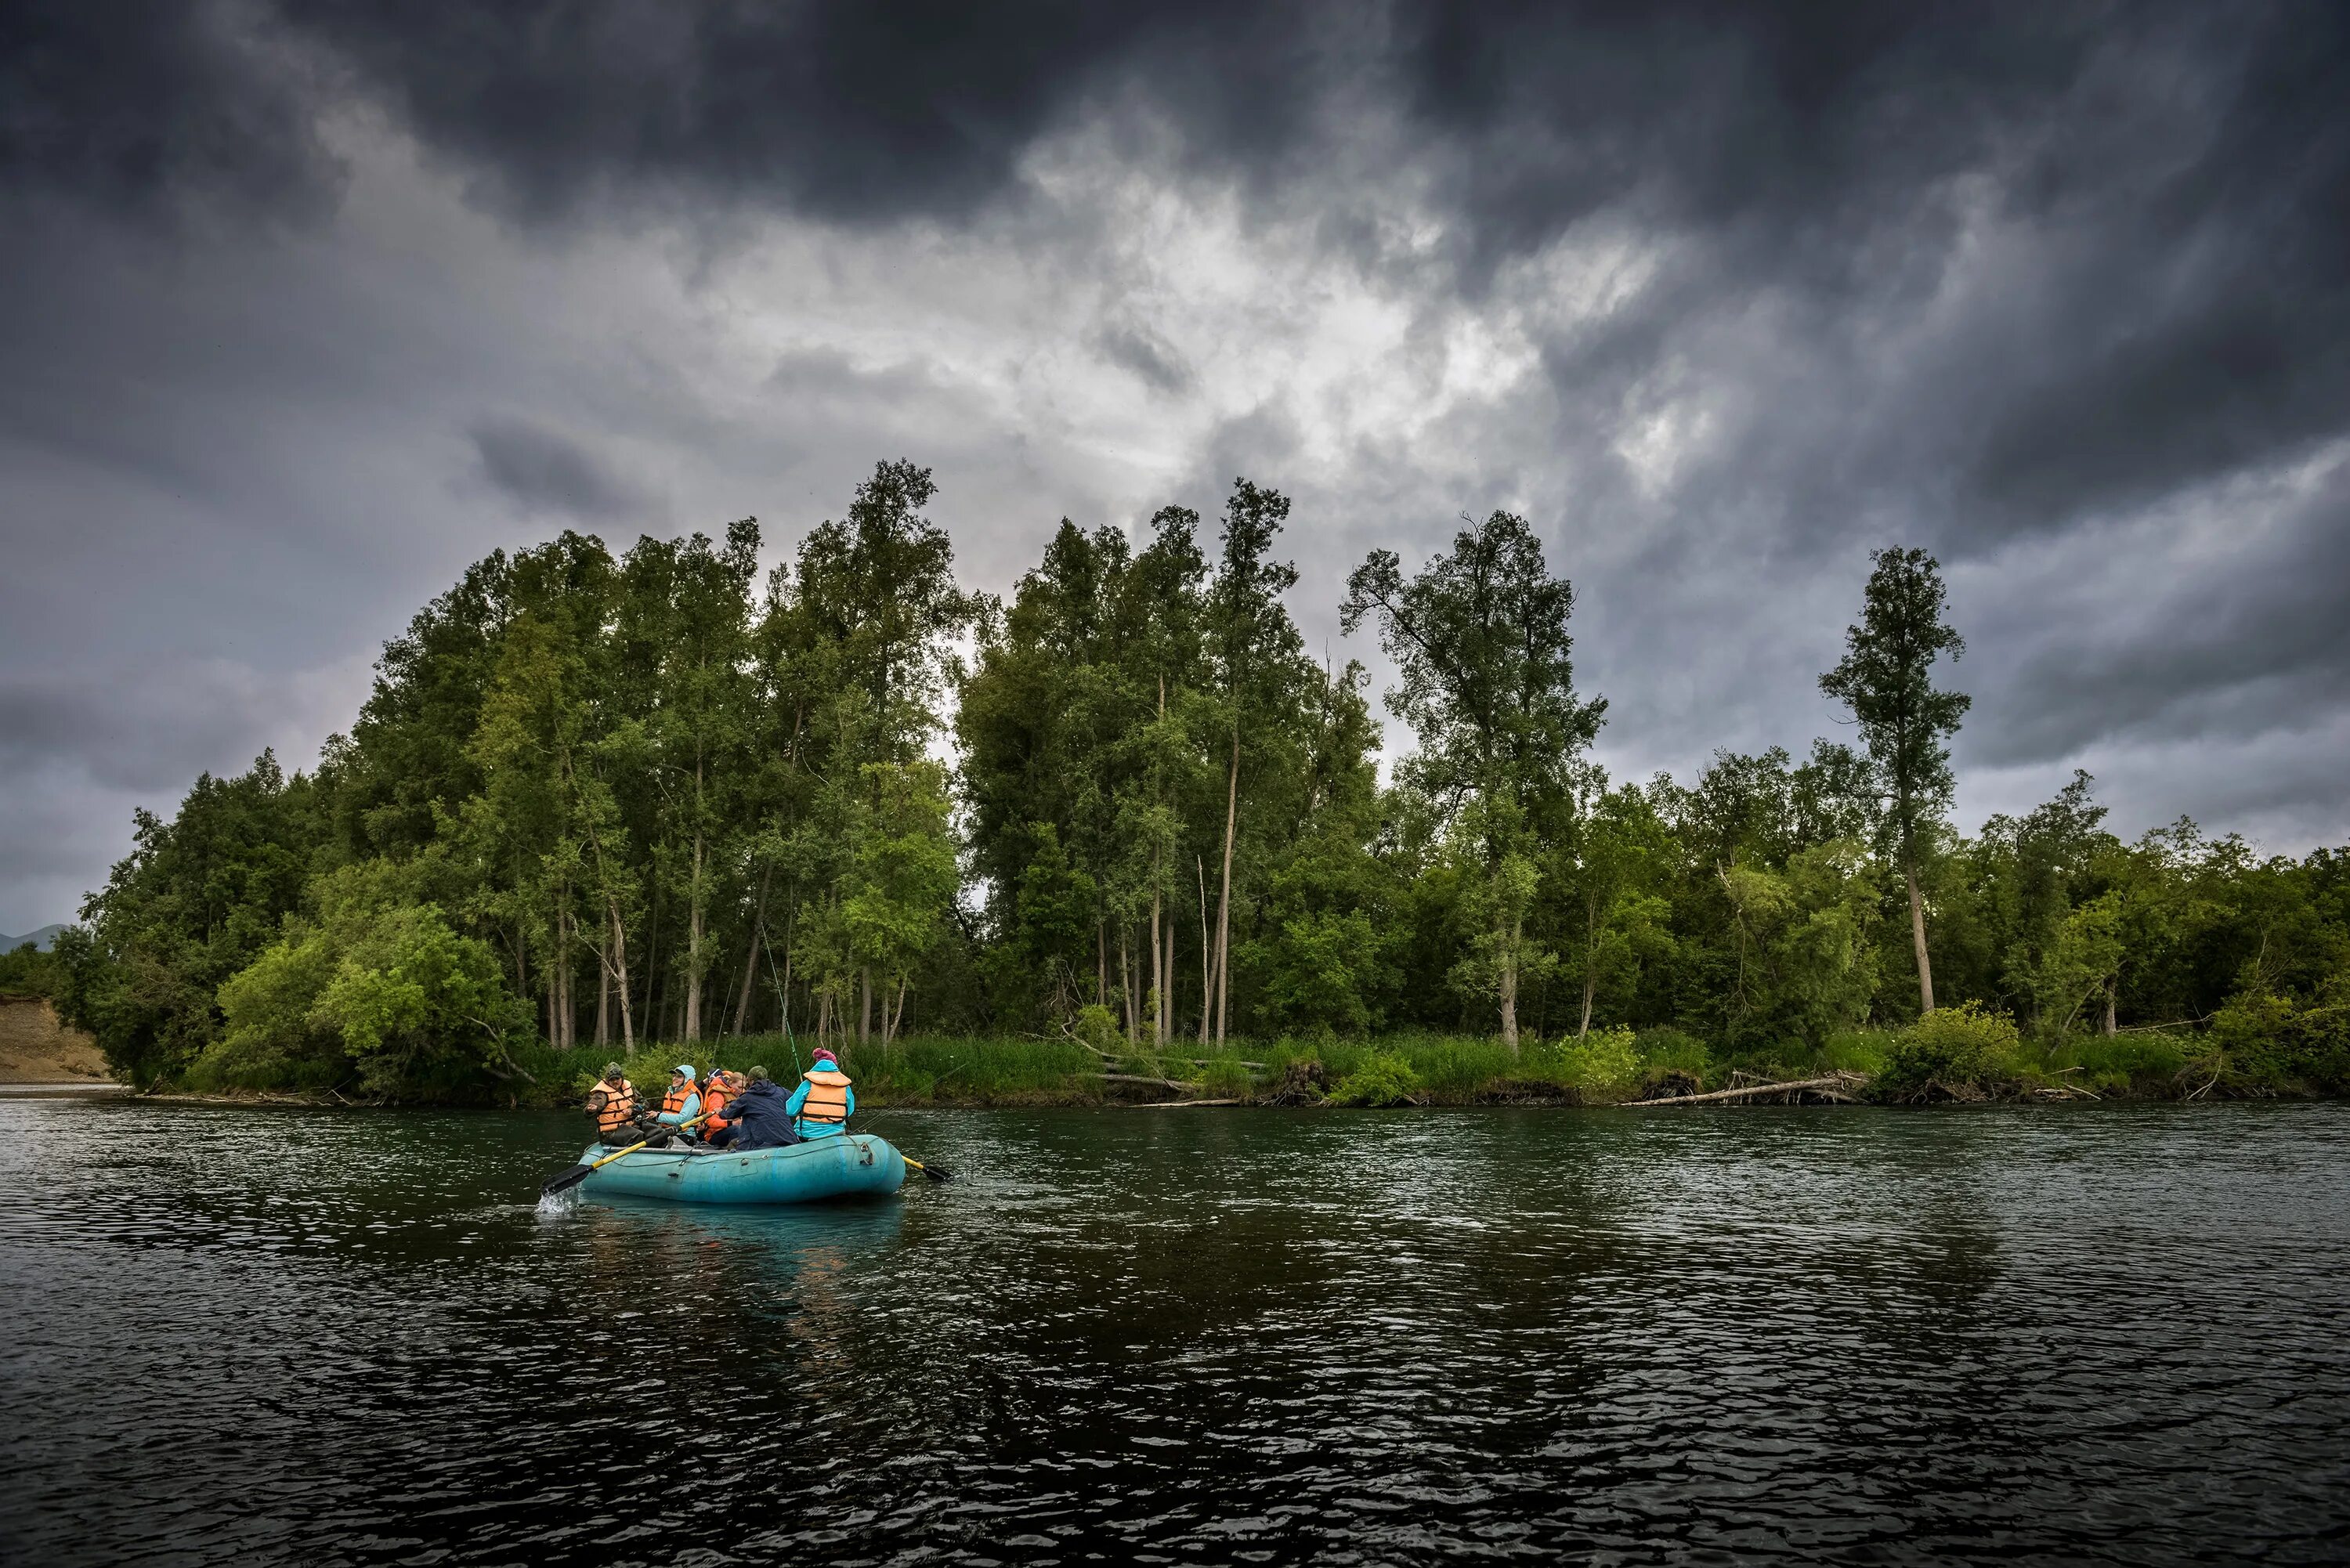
[1195, 1061]
[1137, 1079]
[1830, 1085]
[1176, 1105]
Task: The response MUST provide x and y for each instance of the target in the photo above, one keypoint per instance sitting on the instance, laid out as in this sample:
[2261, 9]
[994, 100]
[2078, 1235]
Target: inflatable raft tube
[847, 1165]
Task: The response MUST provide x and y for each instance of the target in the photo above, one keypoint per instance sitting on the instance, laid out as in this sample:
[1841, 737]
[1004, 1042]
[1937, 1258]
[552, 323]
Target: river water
[2101, 1334]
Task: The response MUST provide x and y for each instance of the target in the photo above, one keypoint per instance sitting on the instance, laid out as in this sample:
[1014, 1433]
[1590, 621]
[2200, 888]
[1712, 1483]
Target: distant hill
[45, 938]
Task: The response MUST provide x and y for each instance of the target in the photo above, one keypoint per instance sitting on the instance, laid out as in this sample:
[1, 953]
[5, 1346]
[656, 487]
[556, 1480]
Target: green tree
[1886, 680]
[695, 599]
[377, 980]
[1805, 967]
[901, 877]
[1257, 652]
[877, 599]
[196, 898]
[1479, 636]
[1617, 917]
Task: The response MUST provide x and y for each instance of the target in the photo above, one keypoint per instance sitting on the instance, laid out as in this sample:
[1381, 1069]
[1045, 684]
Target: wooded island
[598, 802]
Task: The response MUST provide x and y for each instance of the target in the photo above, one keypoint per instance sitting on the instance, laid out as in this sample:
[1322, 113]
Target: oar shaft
[634, 1147]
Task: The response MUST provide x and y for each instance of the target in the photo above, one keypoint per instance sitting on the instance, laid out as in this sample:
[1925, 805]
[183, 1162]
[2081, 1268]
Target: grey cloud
[2250, 633]
[149, 730]
[85, 742]
[1153, 360]
[544, 470]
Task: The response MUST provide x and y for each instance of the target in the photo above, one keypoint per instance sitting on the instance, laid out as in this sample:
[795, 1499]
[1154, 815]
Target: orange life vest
[828, 1098]
[616, 1108]
[673, 1103]
[714, 1098]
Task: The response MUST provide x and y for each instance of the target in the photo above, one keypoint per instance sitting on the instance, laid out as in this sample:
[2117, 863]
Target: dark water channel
[2103, 1334]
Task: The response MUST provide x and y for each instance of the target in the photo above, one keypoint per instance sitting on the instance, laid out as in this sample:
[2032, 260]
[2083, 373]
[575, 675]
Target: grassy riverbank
[1960, 1053]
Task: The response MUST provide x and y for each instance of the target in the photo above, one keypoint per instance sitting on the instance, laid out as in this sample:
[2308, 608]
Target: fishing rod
[937, 1173]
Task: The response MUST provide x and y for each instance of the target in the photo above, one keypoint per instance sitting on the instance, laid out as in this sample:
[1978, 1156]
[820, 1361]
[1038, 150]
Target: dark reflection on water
[2112, 1334]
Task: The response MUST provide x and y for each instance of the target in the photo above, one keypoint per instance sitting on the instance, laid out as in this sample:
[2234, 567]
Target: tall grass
[1429, 1069]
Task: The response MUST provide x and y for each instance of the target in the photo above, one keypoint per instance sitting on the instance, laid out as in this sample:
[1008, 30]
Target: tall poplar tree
[1480, 638]
[1258, 645]
[1886, 679]
[877, 602]
[700, 594]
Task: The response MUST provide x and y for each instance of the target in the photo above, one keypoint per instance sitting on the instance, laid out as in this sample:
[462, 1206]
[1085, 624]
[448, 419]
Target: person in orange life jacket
[683, 1101]
[613, 1104]
[721, 1089]
[757, 1117]
[823, 1102]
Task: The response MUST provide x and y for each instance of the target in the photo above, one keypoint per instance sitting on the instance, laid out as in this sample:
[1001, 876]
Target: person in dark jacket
[758, 1116]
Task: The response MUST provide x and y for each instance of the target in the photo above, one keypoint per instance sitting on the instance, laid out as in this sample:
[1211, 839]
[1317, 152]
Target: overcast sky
[305, 304]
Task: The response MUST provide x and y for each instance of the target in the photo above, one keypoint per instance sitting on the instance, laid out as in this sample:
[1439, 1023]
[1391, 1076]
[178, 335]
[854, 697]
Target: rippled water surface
[1842, 1335]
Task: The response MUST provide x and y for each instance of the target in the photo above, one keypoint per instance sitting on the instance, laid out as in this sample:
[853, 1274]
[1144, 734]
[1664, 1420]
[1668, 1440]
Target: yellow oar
[564, 1180]
[935, 1172]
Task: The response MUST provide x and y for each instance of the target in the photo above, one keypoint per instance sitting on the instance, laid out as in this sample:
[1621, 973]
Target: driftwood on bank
[1194, 1061]
[1177, 1104]
[1137, 1078]
[1833, 1087]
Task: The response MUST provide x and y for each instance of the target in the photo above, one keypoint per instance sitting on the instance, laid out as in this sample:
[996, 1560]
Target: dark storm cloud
[2058, 290]
[149, 107]
[546, 471]
[2191, 165]
[856, 113]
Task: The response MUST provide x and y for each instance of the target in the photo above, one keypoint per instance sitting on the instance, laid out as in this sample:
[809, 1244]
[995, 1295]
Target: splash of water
[556, 1204]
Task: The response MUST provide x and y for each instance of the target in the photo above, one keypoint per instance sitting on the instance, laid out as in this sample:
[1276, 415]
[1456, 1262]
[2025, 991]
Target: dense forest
[596, 802]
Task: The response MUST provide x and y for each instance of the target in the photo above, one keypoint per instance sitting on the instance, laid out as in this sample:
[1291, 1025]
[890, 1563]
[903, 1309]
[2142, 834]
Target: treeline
[610, 800]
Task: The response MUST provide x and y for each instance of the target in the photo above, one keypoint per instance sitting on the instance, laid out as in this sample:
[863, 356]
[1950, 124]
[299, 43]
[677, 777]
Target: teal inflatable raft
[849, 1165]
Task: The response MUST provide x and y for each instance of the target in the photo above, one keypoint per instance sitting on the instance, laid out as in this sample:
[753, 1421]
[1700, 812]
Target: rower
[822, 1102]
[613, 1104]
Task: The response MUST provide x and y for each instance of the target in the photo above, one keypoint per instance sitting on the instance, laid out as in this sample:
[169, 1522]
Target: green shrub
[1605, 1061]
[2261, 1042]
[1457, 1067]
[2117, 1064]
[1383, 1079]
[383, 991]
[1671, 1050]
[1223, 1078]
[1098, 1026]
[1959, 1052]
[1862, 1051]
[26, 971]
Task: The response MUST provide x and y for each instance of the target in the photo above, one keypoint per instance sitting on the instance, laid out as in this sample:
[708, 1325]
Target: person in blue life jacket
[822, 1102]
[759, 1116]
[683, 1101]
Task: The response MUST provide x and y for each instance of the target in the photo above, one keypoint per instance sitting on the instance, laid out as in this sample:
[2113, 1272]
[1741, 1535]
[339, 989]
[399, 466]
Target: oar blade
[564, 1180]
[936, 1172]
